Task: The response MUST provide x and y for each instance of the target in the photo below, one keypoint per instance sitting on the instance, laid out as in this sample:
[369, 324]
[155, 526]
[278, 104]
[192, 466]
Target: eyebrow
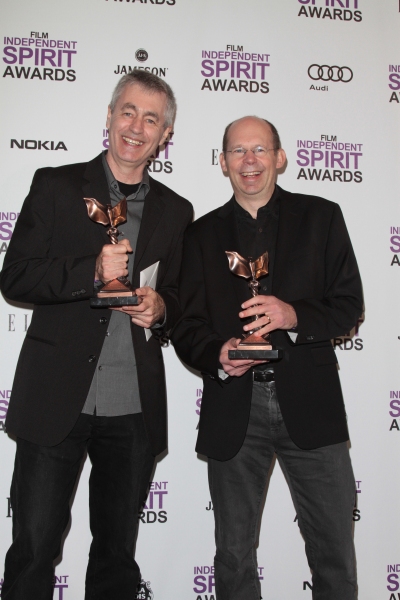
[147, 113]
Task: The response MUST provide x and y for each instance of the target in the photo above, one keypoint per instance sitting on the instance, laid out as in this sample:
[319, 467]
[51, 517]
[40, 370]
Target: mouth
[251, 174]
[132, 142]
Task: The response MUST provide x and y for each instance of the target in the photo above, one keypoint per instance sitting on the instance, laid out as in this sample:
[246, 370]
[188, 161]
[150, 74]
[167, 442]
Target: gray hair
[276, 140]
[151, 83]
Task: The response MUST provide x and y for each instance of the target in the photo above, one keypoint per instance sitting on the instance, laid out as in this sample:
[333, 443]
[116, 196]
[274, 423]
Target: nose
[136, 124]
[250, 157]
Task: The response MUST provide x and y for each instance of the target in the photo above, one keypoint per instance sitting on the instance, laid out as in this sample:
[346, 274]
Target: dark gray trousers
[322, 486]
[43, 481]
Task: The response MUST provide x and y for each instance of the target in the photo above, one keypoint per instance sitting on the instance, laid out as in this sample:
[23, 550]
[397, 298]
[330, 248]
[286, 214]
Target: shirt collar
[271, 208]
[113, 187]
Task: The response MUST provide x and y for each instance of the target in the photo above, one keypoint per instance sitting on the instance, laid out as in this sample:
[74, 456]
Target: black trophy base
[108, 301]
[255, 353]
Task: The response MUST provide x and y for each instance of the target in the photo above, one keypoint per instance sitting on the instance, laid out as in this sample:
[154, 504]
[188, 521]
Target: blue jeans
[43, 482]
[322, 486]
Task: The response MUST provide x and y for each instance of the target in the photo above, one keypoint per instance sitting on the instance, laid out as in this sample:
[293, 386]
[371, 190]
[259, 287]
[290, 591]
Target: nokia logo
[37, 145]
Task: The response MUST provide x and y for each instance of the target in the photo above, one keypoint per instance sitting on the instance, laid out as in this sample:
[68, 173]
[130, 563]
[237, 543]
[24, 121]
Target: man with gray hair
[92, 380]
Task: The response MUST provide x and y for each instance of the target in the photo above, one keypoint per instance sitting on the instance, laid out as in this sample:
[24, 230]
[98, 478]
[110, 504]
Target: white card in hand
[149, 277]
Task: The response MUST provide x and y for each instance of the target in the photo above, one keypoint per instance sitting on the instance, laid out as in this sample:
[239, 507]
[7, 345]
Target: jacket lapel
[228, 238]
[290, 211]
[154, 206]
[95, 186]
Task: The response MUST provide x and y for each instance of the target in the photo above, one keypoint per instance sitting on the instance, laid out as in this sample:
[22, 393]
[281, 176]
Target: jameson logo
[39, 57]
[328, 159]
[335, 10]
[234, 70]
[124, 69]
[394, 83]
[141, 56]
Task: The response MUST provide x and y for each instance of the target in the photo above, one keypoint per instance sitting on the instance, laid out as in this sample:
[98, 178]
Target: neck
[253, 204]
[125, 173]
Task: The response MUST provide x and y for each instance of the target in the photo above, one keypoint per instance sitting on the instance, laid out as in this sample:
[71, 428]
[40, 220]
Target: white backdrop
[60, 63]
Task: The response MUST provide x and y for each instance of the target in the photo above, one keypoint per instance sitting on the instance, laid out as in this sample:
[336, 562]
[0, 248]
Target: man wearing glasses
[292, 407]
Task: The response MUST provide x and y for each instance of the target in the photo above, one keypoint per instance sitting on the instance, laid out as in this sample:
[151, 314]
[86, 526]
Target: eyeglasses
[259, 151]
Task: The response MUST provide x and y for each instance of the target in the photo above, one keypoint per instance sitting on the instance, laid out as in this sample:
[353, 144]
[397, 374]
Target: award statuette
[117, 292]
[252, 346]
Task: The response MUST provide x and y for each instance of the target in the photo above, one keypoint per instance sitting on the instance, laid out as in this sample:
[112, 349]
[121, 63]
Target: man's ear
[165, 135]
[108, 117]
[222, 162]
[281, 158]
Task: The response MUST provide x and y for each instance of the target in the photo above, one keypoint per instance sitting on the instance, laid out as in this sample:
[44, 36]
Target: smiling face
[252, 176]
[136, 129]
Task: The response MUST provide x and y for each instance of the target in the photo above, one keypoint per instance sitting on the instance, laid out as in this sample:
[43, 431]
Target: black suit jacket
[51, 263]
[316, 271]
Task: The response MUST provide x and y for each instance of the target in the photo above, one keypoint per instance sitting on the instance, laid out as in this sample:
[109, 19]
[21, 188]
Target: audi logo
[327, 73]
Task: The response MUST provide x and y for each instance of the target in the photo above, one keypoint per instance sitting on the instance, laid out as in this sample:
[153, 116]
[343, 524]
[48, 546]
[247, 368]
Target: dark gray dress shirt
[257, 236]
[114, 390]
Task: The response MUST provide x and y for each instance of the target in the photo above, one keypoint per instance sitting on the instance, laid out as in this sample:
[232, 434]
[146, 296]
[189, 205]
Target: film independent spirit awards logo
[157, 2]
[235, 69]
[334, 10]
[39, 57]
[329, 159]
[394, 82]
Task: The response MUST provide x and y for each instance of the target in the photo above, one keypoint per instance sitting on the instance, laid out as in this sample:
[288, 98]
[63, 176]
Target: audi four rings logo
[326, 73]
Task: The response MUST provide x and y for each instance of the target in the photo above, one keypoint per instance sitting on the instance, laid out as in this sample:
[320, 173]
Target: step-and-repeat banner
[327, 74]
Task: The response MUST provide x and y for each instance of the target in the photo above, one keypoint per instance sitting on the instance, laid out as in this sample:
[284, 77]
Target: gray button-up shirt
[114, 390]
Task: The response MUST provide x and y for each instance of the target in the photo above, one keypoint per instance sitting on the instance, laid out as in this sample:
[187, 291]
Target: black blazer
[316, 271]
[51, 263]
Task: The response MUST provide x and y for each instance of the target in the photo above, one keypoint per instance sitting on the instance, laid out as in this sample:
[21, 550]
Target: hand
[112, 262]
[236, 367]
[274, 314]
[150, 311]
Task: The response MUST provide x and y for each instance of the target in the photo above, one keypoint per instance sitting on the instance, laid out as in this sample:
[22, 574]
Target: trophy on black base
[253, 345]
[117, 292]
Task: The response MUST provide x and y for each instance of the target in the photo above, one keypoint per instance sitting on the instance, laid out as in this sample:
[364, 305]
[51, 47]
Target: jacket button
[309, 338]
[92, 358]
[83, 291]
[103, 320]
[74, 293]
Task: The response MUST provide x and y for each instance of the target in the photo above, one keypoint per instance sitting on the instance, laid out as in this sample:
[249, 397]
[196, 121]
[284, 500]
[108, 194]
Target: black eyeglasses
[259, 151]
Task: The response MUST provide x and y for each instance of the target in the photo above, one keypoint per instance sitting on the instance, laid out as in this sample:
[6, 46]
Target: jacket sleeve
[194, 339]
[168, 288]
[341, 304]
[29, 273]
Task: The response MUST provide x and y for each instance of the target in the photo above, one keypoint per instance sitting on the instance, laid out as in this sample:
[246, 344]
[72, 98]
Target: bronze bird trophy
[253, 345]
[116, 292]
